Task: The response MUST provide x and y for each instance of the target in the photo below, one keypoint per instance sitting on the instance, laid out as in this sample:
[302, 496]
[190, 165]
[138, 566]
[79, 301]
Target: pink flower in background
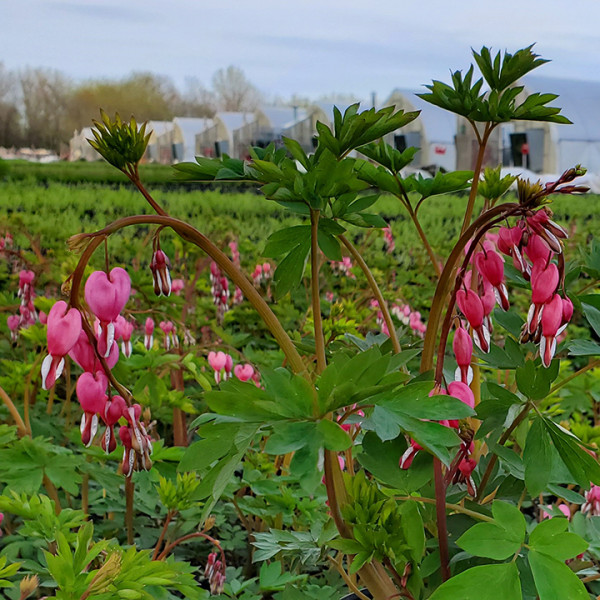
[592, 501]
[149, 333]
[220, 290]
[564, 509]
[222, 364]
[25, 280]
[14, 322]
[123, 331]
[243, 372]
[257, 275]
[177, 285]
[171, 339]
[388, 237]
[215, 574]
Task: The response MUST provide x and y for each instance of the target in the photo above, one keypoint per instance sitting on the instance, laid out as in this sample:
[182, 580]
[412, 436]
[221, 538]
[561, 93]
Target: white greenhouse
[218, 138]
[433, 131]
[553, 148]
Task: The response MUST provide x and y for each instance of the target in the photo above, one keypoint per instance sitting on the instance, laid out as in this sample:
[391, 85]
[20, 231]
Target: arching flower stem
[192, 235]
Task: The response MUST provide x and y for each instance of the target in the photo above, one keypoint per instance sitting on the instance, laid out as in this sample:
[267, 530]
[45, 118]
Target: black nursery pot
[355, 597]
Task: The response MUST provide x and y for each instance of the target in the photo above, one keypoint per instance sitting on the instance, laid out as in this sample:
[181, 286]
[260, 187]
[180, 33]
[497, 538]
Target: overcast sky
[309, 47]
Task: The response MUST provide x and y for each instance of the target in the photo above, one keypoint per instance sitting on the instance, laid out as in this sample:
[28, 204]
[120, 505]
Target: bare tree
[45, 98]
[234, 91]
[10, 118]
[195, 101]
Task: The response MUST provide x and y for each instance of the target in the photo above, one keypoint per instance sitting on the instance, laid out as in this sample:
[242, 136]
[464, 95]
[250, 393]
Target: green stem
[489, 127]
[315, 297]
[375, 289]
[592, 365]
[425, 241]
[449, 506]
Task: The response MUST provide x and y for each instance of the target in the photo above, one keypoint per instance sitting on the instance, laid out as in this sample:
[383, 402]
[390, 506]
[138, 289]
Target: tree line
[41, 108]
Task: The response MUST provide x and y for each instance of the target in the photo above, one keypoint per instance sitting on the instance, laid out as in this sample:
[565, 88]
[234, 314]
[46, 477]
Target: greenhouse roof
[580, 102]
[234, 120]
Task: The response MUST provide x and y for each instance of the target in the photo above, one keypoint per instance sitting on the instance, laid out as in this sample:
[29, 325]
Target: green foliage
[178, 496]
[482, 583]
[465, 97]
[121, 144]
[493, 185]
[378, 527]
[499, 539]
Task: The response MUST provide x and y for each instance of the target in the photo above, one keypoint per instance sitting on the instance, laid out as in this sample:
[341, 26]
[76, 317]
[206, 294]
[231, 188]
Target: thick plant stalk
[315, 298]
[479, 163]
[129, 494]
[12, 409]
[375, 289]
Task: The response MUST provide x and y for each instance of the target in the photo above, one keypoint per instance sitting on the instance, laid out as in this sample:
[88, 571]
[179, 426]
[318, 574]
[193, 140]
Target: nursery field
[272, 530]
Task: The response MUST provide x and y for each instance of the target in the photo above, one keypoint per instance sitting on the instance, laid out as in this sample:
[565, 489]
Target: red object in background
[525, 149]
[440, 149]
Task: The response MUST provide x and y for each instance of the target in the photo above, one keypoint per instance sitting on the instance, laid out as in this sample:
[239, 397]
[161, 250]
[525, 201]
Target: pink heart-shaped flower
[91, 391]
[107, 295]
[64, 327]
[243, 372]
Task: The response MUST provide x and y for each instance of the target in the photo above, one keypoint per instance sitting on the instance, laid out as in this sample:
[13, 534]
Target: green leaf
[580, 464]
[551, 538]
[533, 382]
[381, 459]
[329, 245]
[583, 348]
[284, 240]
[500, 539]
[510, 517]
[334, 437]
[203, 453]
[289, 437]
[553, 579]
[488, 540]
[288, 273]
[537, 458]
[412, 527]
[592, 314]
[483, 583]
[296, 151]
[499, 74]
